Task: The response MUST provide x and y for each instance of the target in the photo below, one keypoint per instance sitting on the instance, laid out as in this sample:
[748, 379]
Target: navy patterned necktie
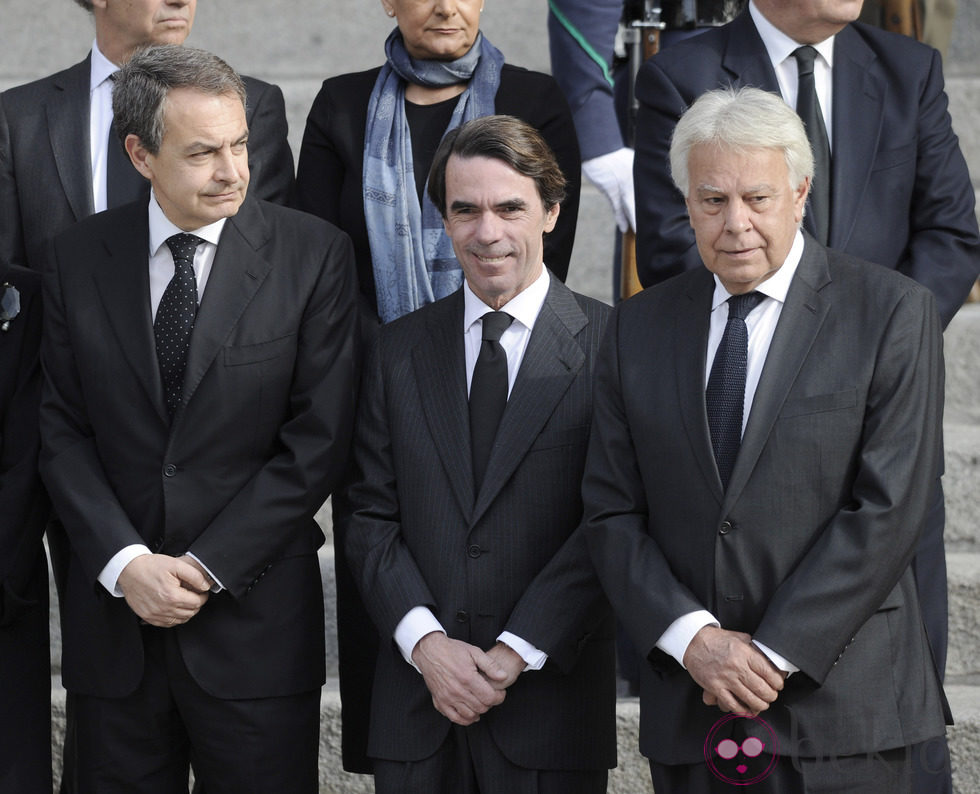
[175, 318]
[808, 109]
[725, 394]
[488, 392]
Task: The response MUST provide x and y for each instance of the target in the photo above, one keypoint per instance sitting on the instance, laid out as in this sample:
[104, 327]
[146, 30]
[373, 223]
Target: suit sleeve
[581, 39]
[645, 594]
[70, 462]
[382, 564]
[313, 442]
[860, 555]
[943, 253]
[12, 238]
[270, 160]
[664, 239]
[23, 504]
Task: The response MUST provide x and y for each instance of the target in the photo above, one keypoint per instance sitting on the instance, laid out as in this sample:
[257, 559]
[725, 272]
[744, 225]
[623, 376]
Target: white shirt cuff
[109, 577]
[533, 658]
[781, 662]
[418, 622]
[679, 634]
[217, 587]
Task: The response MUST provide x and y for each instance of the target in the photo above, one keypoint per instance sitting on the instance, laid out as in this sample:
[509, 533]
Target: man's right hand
[164, 591]
[734, 674]
[454, 673]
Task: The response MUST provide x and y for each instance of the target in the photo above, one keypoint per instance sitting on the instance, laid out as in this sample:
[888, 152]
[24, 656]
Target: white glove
[612, 173]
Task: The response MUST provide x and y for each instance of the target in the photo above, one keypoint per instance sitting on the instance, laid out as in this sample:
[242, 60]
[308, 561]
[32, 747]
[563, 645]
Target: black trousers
[145, 742]
[469, 762]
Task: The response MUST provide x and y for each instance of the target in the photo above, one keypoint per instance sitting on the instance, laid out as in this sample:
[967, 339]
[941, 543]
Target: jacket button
[462, 616]
[474, 551]
[726, 527]
[169, 470]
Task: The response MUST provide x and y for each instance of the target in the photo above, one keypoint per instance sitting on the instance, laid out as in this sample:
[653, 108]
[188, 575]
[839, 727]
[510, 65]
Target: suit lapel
[440, 374]
[68, 132]
[859, 95]
[691, 343]
[551, 362]
[123, 281]
[237, 273]
[799, 322]
[745, 57]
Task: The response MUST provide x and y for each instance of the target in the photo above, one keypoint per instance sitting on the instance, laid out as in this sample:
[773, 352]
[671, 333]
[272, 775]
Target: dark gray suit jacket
[901, 194]
[46, 174]
[259, 441]
[503, 560]
[808, 550]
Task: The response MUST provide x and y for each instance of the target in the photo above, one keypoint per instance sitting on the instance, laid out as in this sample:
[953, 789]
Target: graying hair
[741, 119]
[139, 95]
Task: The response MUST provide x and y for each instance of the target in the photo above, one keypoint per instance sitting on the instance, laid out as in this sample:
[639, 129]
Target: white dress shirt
[524, 308]
[761, 325]
[780, 48]
[100, 121]
[161, 265]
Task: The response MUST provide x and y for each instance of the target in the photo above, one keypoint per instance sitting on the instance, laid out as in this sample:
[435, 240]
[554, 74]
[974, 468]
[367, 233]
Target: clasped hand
[734, 674]
[164, 591]
[463, 680]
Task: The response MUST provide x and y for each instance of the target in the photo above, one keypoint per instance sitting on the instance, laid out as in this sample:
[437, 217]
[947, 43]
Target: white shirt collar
[161, 228]
[523, 307]
[779, 45]
[102, 68]
[777, 285]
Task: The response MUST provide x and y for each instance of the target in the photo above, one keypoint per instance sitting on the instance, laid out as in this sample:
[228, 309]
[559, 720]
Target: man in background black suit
[462, 534]
[187, 449]
[25, 674]
[54, 131]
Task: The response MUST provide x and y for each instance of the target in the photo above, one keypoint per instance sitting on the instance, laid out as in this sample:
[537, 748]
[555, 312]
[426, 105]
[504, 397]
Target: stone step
[961, 485]
[631, 775]
[963, 569]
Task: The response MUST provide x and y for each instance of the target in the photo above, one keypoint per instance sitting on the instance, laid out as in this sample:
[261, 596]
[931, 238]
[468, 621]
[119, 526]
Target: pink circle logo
[743, 764]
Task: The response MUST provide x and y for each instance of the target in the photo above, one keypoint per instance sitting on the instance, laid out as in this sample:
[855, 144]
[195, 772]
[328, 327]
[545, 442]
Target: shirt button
[474, 551]
[169, 470]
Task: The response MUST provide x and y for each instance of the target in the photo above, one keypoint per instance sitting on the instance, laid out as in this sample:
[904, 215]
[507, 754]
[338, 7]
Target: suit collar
[745, 57]
[68, 133]
[799, 322]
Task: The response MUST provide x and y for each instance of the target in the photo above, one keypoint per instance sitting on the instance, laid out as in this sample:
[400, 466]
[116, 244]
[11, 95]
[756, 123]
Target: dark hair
[141, 87]
[86, 4]
[503, 138]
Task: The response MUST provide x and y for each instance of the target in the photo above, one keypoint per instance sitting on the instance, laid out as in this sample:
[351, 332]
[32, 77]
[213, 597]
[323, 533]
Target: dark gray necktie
[175, 318]
[123, 183]
[488, 392]
[725, 395]
[808, 109]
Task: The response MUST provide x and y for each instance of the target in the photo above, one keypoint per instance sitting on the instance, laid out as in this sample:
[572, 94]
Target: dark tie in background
[175, 318]
[725, 395]
[488, 392]
[123, 183]
[808, 109]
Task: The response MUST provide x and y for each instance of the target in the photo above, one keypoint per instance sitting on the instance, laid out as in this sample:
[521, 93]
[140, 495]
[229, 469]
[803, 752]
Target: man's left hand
[510, 661]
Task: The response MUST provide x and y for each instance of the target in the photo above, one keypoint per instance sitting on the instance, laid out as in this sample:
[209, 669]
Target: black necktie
[175, 318]
[808, 109]
[725, 395]
[123, 183]
[488, 392]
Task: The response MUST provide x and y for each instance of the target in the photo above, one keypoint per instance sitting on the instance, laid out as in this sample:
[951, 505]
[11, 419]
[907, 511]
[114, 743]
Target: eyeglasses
[728, 749]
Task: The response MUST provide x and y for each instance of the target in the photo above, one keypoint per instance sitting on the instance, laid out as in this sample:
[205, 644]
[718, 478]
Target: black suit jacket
[808, 549]
[25, 674]
[260, 440]
[329, 178]
[901, 194]
[507, 559]
[46, 175]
